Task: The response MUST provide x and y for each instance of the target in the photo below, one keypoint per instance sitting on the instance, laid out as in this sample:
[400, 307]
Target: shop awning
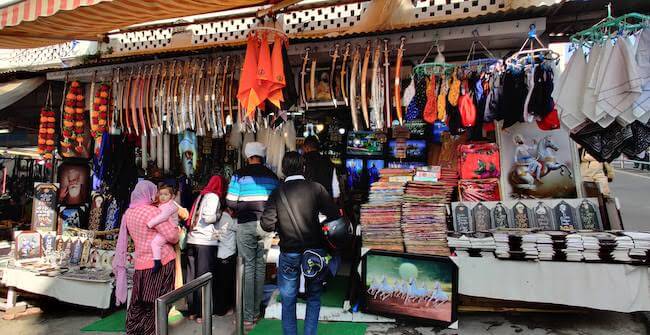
[37, 23]
[12, 91]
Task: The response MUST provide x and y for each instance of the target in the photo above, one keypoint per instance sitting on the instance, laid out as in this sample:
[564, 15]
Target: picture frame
[44, 208]
[414, 287]
[550, 152]
[72, 217]
[28, 244]
[75, 183]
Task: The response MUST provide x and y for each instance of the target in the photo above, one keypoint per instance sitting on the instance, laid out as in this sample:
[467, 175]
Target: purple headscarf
[143, 195]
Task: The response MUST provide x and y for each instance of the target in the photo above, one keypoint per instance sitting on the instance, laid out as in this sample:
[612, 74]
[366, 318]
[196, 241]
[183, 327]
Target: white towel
[571, 88]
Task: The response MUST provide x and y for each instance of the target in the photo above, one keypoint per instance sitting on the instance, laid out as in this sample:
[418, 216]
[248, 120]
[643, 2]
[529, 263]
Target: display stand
[95, 294]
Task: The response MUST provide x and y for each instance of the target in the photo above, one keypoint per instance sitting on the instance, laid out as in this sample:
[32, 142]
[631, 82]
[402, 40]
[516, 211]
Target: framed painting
[410, 286]
[537, 164]
[74, 179]
[72, 217]
[28, 244]
[44, 213]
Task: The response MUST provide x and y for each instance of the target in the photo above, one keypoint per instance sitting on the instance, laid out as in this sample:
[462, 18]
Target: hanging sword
[303, 73]
[334, 56]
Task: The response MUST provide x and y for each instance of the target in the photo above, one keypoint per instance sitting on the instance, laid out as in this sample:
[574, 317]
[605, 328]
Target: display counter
[95, 294]
[613, 287]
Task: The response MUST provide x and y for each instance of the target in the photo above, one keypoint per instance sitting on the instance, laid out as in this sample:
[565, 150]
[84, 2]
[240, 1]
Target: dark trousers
[201, 259]
[224, 285]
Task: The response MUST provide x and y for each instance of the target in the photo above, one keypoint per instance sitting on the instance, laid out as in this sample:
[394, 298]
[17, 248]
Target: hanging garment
[419, 101]
[514, 96]
[493, 98]
[248, 92]
[431, 108]
[454, 90]
[529, 73]
[640, 140]
[277, 77]
[442, 98]
[482, 87]
[642, 105]
[604, 144]
[570, 90]
[467, 110]
[409, 92]
[541, 102]
[549, 121]
[621, 85]
[264, 70]
[454, 121]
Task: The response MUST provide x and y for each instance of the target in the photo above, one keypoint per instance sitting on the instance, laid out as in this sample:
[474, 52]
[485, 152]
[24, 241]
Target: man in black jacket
[319, 168]
[301, 237]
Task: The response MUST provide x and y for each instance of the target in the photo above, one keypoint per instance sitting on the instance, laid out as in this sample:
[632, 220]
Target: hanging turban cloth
[248, 92]
[277, 74]
[264, 72]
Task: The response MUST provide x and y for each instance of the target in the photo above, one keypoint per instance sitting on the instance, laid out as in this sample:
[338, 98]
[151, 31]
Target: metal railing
[163, 303]
[626, 163]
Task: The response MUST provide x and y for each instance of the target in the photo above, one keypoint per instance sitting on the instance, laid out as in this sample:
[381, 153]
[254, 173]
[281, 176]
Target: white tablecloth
[85, 293]
[613, 287]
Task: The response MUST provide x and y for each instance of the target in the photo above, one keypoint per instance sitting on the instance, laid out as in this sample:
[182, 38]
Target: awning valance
[36, 23]
[12, 91]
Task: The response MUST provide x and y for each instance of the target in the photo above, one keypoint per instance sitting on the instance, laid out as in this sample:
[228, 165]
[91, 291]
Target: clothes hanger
[437, 68]
[609, 27]
[533, 54]
[470, 62]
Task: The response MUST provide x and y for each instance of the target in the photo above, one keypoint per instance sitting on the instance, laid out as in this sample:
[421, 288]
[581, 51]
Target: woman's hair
[293, 164]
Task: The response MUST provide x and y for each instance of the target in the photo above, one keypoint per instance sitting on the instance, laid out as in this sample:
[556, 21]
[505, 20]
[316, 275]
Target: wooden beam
[278, 7]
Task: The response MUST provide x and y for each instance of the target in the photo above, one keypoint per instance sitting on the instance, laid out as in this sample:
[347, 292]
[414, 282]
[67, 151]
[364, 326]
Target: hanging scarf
[248, 94]
[431, 108]
[419, 101]
[216, 185]
[143, 195]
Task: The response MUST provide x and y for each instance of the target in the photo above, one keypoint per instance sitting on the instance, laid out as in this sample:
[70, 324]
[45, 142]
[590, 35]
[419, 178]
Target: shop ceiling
[321, 22]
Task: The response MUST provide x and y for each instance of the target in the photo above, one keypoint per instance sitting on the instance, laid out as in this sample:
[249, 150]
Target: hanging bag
[479, 161]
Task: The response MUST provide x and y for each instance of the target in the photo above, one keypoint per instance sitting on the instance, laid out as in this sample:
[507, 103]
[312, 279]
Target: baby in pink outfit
[168, 212]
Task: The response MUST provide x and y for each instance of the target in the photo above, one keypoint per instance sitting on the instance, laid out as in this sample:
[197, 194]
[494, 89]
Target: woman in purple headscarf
[147, 284]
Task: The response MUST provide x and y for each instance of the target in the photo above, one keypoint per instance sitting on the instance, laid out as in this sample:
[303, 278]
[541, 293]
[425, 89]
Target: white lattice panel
[38, 57]
[334, 17]
[437, 8]
[221, 31]
[142, 40]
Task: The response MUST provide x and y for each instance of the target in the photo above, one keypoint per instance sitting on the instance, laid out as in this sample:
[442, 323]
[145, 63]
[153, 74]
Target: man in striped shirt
[248, 191]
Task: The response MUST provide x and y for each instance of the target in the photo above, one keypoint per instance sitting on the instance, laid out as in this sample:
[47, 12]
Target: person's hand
[183, 213]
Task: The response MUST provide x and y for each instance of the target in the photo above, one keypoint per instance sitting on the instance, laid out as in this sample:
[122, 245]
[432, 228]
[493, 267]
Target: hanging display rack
[609, 27]
[433, 68]
[533, 54]
[470, 61]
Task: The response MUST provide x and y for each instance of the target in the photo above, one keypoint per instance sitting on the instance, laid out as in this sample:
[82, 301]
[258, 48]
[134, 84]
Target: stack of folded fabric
[381, 217]
[464, 245]
[574, 248]
[641, 250]
[624, 244]
[545, 247]
[529, 244]
[591, 247]
[559, 244]
[396, 175]
[515, 241]
[502, 249]
[424, 217]
[607, 244]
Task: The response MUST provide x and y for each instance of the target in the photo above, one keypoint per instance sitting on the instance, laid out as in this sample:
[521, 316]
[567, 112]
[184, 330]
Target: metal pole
[206, 291]
[239, 296]
[161, 317]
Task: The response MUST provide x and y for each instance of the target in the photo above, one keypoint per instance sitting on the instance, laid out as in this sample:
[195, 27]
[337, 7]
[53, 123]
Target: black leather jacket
[307, 200]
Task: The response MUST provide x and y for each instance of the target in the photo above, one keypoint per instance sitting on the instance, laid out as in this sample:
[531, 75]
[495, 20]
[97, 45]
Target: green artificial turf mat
[334, 294]
[114, 323]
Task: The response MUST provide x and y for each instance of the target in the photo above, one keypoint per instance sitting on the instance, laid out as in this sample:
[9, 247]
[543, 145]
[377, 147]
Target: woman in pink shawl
[147, 285]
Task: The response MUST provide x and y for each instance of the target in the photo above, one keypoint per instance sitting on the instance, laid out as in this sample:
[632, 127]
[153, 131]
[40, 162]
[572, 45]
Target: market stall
[465, 152]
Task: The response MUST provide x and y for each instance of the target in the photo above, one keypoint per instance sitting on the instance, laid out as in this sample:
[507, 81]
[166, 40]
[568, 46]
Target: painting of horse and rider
[537, 164]
[411, 286]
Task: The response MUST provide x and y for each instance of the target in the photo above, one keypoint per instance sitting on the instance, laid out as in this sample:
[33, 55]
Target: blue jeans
[289, 281]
